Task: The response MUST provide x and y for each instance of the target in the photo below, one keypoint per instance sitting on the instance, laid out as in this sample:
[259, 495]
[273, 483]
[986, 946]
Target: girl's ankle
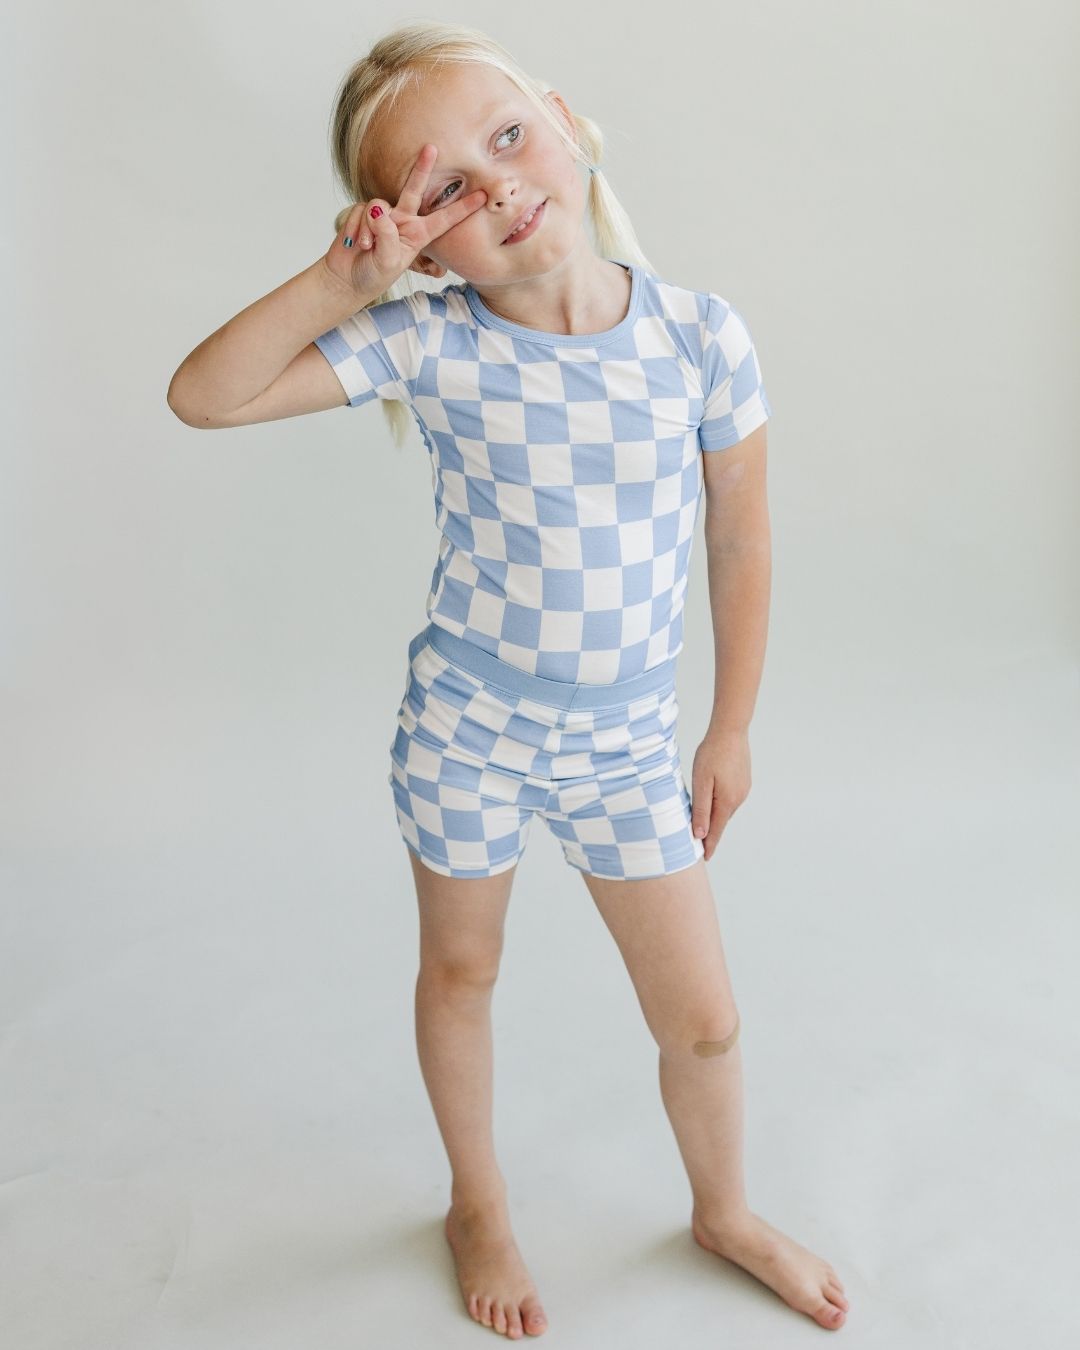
[486, 1194]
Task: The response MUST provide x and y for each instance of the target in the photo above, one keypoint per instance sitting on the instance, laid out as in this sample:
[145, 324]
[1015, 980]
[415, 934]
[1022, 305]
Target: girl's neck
[584, 294]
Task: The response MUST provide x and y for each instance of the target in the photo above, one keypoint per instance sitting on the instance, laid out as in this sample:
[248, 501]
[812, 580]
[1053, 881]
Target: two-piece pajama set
[568, 479]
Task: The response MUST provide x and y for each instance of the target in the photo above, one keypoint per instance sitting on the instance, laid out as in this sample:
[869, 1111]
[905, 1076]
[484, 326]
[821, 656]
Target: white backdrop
[215, 1130]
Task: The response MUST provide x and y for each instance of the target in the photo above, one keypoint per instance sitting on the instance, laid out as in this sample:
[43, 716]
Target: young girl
[575, 406]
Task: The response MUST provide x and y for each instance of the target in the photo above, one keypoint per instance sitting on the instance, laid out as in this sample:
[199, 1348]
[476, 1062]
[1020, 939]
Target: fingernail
[348, 242]
[376, 212]
[699, 830]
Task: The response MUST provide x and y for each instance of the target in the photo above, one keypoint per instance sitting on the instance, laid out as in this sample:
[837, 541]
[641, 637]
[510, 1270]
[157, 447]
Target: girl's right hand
[384, 246]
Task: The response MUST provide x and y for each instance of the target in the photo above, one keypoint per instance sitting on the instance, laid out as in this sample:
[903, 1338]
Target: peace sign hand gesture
[384, 246]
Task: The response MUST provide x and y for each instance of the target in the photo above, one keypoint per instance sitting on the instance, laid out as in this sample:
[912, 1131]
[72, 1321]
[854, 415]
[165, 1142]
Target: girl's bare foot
[497, 1288]
[803, 1280]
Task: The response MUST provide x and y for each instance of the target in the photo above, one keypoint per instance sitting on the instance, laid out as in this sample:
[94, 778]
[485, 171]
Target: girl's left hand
[720, 784]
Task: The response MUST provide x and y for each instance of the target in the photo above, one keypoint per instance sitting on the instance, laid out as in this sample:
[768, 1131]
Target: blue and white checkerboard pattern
[473, 764]
[566, 468]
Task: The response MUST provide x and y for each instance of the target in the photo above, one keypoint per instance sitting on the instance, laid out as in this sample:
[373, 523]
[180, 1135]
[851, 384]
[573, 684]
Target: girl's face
[490, 136]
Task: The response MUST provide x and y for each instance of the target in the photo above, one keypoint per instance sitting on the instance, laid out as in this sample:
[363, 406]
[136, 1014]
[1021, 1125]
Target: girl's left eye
[518, 127]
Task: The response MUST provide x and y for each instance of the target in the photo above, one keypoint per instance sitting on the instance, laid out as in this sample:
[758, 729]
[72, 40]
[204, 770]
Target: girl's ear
[427, 266]
[567, 115]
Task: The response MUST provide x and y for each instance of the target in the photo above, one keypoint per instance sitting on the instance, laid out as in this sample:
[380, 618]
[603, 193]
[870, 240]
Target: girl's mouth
[530, 228]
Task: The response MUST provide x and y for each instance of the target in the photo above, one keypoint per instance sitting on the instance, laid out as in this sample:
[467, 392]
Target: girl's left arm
[739, 549]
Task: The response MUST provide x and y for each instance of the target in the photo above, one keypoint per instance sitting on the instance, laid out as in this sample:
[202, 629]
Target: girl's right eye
[437, 201]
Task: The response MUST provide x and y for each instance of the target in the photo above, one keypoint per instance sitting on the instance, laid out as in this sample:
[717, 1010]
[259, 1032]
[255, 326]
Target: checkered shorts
[482, 747]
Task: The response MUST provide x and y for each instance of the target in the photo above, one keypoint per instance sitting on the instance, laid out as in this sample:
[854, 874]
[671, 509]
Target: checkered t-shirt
[566, 468]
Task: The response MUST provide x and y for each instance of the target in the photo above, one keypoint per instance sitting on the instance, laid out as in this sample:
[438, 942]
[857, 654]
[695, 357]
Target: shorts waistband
[555, 693]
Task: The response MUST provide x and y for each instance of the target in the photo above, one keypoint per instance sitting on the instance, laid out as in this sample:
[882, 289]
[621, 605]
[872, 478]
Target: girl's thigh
[667, 931]
[462, 919]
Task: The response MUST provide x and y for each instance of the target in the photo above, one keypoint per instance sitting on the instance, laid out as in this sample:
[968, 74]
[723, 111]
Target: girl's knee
[706, 1047]
[468, 972]
[713, 1032]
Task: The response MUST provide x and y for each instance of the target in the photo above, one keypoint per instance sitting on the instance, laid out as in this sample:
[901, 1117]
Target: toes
[532, 1317]
[836, 1293]
[828, 1314]
[485, 1310]
[513, 1322]
[498, 1315]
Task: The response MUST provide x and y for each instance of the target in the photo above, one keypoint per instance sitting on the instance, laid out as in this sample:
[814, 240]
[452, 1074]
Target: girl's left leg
[667, 931]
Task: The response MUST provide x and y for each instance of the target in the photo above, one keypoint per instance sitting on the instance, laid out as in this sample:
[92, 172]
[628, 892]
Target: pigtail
[613, 232]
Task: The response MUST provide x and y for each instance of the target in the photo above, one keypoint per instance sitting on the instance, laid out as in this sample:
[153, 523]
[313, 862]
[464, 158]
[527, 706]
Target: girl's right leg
[462, 923]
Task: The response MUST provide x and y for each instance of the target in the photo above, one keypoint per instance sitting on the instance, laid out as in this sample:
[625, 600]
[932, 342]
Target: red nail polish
[376, 212]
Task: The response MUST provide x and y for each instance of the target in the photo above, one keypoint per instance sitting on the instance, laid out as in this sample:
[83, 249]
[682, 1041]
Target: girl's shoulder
[718, 326]
[714, 338]
[692, 316]
[422, 309]
[707, 309]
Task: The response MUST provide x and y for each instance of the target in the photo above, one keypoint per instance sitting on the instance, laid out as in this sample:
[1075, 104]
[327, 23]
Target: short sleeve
[735, 403]
[377, 352]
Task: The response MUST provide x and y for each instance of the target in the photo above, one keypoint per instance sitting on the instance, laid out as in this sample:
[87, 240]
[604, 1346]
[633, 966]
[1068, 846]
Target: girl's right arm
[263, 364]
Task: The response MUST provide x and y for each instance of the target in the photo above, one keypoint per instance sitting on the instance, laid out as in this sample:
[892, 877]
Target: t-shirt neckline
[489, 319]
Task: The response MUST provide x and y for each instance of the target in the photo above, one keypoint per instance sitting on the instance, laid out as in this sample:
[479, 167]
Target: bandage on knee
[705, 1048]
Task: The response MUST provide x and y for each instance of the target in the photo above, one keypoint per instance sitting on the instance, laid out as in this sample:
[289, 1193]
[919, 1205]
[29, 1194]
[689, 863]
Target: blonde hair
[398, 60]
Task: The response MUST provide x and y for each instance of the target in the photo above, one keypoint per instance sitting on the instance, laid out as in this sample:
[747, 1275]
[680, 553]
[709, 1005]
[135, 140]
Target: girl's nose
[502, 191]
